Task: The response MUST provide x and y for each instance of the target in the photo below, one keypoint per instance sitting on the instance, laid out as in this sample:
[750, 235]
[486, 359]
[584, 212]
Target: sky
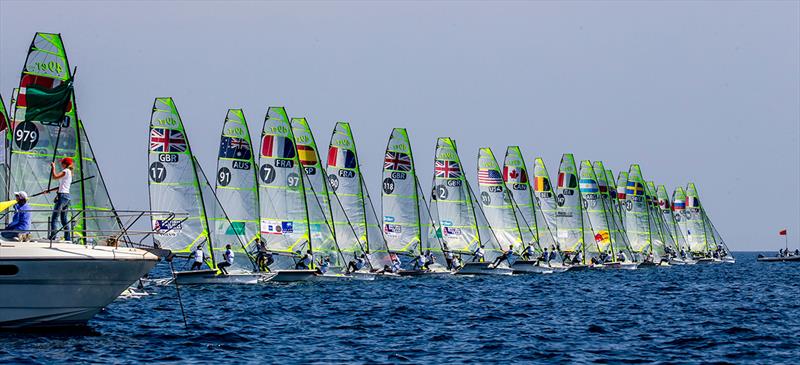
[707, 92]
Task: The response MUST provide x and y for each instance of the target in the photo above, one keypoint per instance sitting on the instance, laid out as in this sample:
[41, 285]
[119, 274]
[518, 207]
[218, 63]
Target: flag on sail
[277, 147]
[621, 193]
[588, 186]
[489, 177]
[341, 157]
[634, 188]
[447, 169]
[514, 175]
[307, 155]
[678, 205]
[567, 180]
[167, 140]
[232, 147]
[397, 161]
[692, 202]
[541, 183]
[44, 103]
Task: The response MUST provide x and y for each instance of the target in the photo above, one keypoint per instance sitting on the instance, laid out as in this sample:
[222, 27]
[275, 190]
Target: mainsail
[285, 222]
[671, 226]
[407, 225]
[497, 202]
[697, 231]
[46, 128]
[622, 189]
[4, 144]
[237, 189]
[637, 213]
[535, 230]
[594, 194]
[619, 241]
[545, 198]
[679, 214]
[453, 204]
[320, 204]
[569, 214]
[358, 214]
[174, 184]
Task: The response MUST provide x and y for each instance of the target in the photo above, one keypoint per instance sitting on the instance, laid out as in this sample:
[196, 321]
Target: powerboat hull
[482, 268]
[779, 259]
[64, 284]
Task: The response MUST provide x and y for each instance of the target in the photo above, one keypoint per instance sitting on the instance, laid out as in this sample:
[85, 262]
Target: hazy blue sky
[706, 92]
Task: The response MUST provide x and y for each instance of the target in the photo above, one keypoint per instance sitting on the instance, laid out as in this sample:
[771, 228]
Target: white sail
[569, 215]
[535, 230]
[637, 213]
[497, 202]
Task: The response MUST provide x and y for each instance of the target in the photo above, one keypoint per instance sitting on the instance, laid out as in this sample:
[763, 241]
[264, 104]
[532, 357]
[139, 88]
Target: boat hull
[424, 273]
[530, 267]
[779, 259]
[290, 276]
[482, 268]
[64, 284]
[204, 277]
[617, 266]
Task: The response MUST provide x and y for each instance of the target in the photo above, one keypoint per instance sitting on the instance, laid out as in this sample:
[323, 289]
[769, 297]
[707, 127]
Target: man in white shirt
[228, 256]
[199, 258]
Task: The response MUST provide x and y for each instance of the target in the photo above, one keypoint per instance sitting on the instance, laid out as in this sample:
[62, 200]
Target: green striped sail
[497, 203]
[174, 184]
[671, 226]
[453, 204]
[237, 188]
[569, 214]
[320, 204]
[594, 208]
[285, 223]
[535, 230]
[545, 198]
[622, 187]
[661, 237]
[619, 241]
[637, 212]
[679, 214]
[347, 183]
[407, 225]
[697, 231]
[37, 143]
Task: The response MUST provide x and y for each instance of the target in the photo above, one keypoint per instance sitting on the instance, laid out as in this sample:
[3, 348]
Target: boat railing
[124, 228]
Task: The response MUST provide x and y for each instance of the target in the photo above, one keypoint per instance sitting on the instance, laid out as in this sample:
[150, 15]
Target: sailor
[448, 256]
[429, 260]
[324, 266]
[264, 257]
[553, 253]
[61, 204]
[305, 261]
[621, 257]
[797, 252]
[604, 257]
[419, 262]
[528, 253]
[545, 256]
[578, 258]
[507, 255]
[358, 264]
[478, 254]
[21, 222]
[683, 253]
[228, 257]
[396, 264]
[199, 257]
[456, 263]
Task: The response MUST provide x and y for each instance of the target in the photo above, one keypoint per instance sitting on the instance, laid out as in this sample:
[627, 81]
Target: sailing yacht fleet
[277, 209]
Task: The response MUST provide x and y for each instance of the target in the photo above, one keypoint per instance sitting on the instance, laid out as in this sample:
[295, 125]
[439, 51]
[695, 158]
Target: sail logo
[281, 129]
[167, 227]
[392, 229]
[399, 147]
[446, 156]
[341, 142]
[276, 227]
[236, 131]
[301, 139]
[170, 122]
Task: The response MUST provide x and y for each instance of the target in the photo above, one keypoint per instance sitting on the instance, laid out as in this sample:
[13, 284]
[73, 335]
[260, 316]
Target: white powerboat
[61, 283]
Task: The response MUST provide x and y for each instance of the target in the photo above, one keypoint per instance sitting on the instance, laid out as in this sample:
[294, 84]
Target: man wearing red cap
[61, 204]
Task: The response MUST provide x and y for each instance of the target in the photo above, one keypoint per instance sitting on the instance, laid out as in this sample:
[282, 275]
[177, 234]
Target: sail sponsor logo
[514, 162]
[392, 229]
[451, 231]
[236, 131]
[399, 147]
[388, 218]
[304, 139]
[235, 229]
[487, 164]
[447, 156]
[447, 223]
[279, 129]
[276, 227]
[167, 227]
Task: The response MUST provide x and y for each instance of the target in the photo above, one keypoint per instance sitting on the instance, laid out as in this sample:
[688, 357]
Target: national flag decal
[515, 175]
[567, 180]
[541, 183]
[233, 147]
[489, 177]
[277, 147]
[634, 188]
[678, 205]
[167, 140]
[397, 161]
[341, 158]
[447, 169]
[307, 155]
[588, 186]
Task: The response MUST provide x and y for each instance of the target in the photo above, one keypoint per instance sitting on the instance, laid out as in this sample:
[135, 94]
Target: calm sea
[747, 312]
